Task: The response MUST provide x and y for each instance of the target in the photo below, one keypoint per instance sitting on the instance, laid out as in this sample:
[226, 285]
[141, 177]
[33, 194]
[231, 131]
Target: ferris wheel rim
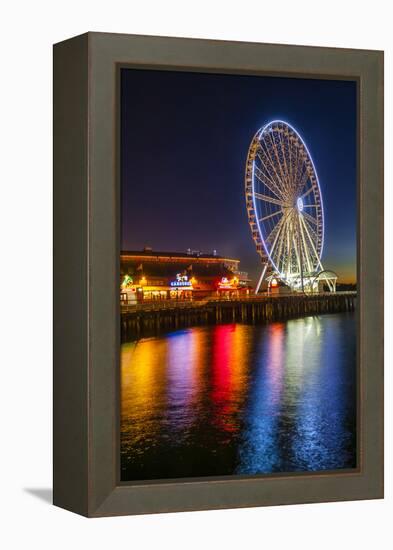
[257, 137]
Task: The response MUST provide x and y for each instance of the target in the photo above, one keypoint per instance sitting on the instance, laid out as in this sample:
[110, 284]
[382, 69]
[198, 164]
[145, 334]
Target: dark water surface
[240, 399]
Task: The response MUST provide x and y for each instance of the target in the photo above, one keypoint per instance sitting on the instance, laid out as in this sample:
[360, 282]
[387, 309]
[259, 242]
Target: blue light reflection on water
[312, 366]
[240, 399]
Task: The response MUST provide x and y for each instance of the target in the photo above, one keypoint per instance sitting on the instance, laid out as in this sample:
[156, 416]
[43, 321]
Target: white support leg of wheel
[261, 278]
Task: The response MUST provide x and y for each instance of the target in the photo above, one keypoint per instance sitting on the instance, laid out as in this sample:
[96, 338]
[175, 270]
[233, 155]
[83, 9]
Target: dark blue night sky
[184, 143]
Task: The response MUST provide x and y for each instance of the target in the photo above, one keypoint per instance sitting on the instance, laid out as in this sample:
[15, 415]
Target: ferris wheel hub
[299, 204]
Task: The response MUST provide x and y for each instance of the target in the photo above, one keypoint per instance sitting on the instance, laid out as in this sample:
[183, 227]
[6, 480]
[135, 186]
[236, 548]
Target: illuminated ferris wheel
[285, 209]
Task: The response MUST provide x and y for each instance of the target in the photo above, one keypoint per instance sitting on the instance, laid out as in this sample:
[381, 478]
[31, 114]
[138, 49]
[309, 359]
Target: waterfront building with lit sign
[148, 275]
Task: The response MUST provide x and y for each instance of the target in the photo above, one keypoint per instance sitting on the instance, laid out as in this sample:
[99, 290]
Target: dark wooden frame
[86, 271]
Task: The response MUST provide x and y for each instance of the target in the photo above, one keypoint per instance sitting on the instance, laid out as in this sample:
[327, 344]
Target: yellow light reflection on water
[143, 382]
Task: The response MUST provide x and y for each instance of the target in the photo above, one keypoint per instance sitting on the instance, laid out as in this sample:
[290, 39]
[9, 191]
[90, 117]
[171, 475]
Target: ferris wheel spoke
[285, 250]
[270, 216]
[311, 230]
[266, 198]
[298, 245]
[301, 249]
[303, 174]
[274, 146]
[288, 179]
[274, 161]
[280, 251]
[285, 246]
[289, 253]
[311, 241]
[310, 218]
[290, 155]
[290, 158]
[283, 163]
[263, 177]
[298, 169]
[297, 254]
[274, 232]
[306, 249]
[307, 192]
[308, 243]
[303, 181]
[279, 233]
[312, 235]
[295, 160]
[279, 183]
[271, 251]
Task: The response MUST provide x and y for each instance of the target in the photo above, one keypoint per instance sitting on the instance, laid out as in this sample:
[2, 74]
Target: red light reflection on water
[229, 375]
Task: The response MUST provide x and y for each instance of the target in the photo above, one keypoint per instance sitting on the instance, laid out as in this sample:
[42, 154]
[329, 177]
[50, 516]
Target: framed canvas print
[218, 261]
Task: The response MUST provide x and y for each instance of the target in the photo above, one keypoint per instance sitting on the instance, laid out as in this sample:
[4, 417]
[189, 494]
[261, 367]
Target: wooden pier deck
[152, 318]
